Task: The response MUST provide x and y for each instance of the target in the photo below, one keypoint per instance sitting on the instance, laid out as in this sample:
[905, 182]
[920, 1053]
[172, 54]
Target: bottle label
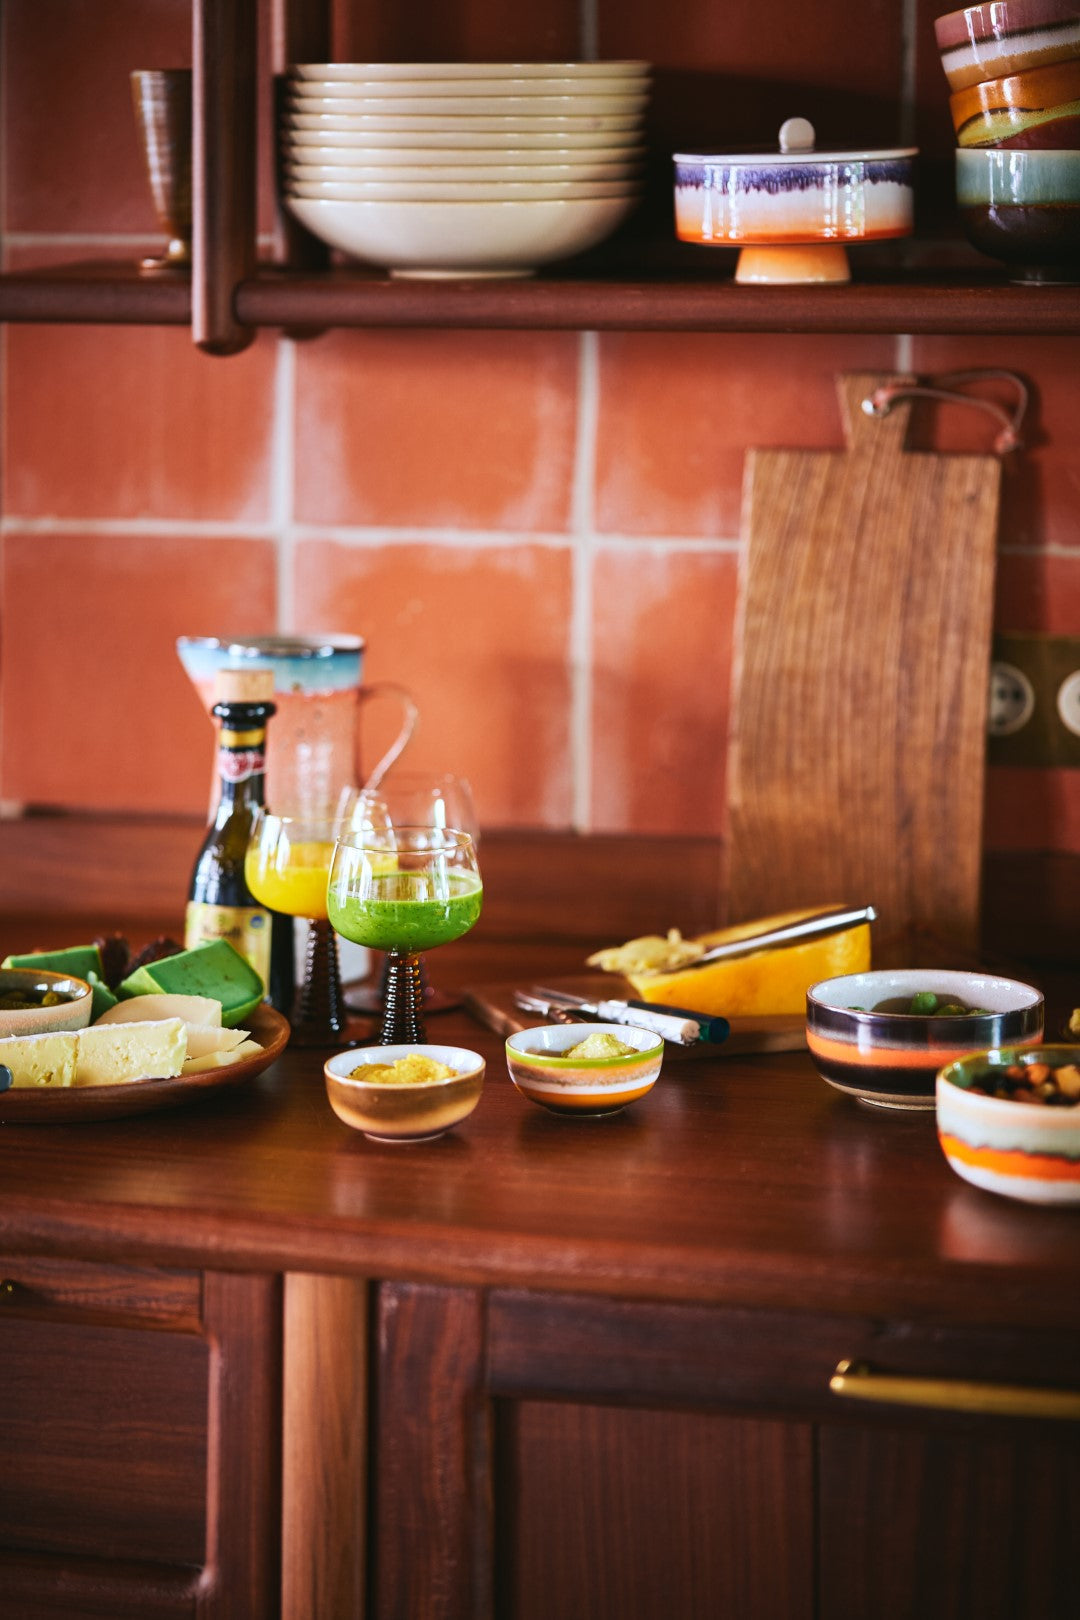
[247, 929]
[236, 763]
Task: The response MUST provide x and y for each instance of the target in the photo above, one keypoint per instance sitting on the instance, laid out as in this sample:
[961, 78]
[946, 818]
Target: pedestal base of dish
[793, 262]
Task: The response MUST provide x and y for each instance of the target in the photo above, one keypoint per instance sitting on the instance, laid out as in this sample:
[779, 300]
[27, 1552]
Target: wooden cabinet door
[139, 1443]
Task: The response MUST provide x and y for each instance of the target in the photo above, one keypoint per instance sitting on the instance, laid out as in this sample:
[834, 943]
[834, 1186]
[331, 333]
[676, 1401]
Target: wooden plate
[71, 1104]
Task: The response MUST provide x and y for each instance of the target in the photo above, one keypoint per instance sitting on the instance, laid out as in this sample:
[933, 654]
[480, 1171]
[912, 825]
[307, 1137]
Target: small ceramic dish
[626, 105]
[461, 191]
[396, 1111]
[1019, 1149]
[460, 145]
[1006, 36]
[70, 1011]
[451, 174]
[349, 72]
[497, 125]
[1022, 208]
[1039, 108]
[583, 1087]
[892, 1058]
[791, 211]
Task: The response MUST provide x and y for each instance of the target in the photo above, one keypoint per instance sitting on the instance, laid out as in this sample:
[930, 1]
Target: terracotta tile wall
[537, 533]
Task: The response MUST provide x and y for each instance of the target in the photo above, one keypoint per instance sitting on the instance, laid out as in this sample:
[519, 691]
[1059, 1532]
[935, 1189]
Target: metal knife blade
[826, 922]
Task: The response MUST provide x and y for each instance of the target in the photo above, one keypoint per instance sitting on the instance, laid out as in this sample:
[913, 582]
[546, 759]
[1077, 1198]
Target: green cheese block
[103, 997]
[213, 968]
[79, 960]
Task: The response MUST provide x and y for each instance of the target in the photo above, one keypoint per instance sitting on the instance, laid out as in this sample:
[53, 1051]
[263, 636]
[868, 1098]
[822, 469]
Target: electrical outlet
[1033, 711]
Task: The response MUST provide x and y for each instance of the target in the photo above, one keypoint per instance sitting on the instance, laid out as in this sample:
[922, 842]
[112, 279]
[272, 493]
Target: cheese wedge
[143, 1009]
[204, 1039]
[111, 1054]
[762, 983]
[219, 1060]
[41, 1060]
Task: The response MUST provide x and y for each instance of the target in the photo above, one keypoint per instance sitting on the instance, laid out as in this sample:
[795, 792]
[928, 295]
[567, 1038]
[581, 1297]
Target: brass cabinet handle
[856, 1381]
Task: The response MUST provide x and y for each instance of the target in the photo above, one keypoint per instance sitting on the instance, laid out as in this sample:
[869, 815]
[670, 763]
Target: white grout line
[582, 524]
[477, 539]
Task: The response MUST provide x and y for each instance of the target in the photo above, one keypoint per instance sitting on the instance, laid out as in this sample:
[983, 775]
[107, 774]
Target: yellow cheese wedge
[111, 1054]
[145, 1009]
[219, 1060]
[763, 983]
[204, 1040]
[40, 1060]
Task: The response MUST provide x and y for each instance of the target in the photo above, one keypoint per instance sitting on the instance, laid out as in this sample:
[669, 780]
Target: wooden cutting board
[856, 764]
[493, 1005]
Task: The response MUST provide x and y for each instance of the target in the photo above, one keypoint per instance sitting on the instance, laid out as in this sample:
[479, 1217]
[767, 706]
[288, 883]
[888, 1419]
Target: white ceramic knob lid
[797, 135]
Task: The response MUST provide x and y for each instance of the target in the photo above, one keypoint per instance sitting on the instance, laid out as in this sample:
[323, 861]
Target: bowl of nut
[1008, 1121]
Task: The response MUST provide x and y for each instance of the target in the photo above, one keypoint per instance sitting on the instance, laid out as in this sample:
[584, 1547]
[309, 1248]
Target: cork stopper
[244, 686]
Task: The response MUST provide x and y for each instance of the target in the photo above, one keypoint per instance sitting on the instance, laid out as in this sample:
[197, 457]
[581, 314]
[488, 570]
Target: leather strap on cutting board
[856, 764]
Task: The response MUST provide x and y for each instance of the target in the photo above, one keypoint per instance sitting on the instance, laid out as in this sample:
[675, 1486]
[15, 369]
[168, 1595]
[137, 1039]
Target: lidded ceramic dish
[793, 210]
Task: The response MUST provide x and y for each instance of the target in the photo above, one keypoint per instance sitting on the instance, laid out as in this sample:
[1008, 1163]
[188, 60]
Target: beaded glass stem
[319, 1016]
[403, 1001]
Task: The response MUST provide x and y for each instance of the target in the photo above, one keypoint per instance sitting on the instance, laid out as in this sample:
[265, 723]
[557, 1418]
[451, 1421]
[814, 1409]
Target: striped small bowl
[892, 1059]
[1013, 1148]
[583, 1087]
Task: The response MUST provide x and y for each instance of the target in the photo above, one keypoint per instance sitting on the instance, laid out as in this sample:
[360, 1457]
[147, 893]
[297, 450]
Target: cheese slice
[143, 1009]
[219, 1060]
[205, 1039]
[110, 1054]
[41, 1060]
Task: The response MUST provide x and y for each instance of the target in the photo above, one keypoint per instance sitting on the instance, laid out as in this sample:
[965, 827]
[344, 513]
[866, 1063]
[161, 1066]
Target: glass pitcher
[313, 747]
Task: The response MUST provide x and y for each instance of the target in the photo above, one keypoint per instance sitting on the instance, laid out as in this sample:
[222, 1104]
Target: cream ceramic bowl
[411, 89]
[502, 124]
[320, 153]
[624, 106]
[577, 174]
[459, 238]
[462, 191]
[346, 72]
[72, 1011]
[583, 1087]
[404, 1113]
[463, 142]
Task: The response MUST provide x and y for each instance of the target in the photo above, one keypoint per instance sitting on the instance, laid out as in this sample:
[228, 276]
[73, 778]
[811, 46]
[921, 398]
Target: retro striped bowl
[1013, 1148]
[582, 1087]
[892, 1059]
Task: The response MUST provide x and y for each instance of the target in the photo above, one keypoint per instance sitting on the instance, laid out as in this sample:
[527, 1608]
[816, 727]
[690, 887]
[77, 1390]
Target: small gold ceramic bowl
[409, 1110]
[36, 1002]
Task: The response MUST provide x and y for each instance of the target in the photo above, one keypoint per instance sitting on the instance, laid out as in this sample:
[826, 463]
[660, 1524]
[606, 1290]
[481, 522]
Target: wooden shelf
[910, 302]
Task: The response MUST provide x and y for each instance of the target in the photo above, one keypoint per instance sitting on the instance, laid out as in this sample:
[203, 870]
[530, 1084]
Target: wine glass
[287, 866]
[408, 798]
[404, 890]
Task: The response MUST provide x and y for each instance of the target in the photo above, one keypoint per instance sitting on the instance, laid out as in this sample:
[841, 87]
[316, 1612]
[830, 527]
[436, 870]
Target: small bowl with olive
[36, 1002]
[882, 1036]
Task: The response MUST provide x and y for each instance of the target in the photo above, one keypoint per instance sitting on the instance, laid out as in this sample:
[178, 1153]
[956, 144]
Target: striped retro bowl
[541, 1071]
[1014, 1148]
[892, 1059]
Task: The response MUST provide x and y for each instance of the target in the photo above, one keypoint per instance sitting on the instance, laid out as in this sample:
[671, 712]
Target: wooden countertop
[741, 1181]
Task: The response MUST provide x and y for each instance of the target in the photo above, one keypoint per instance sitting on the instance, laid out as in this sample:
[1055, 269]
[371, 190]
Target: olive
[923, 1002]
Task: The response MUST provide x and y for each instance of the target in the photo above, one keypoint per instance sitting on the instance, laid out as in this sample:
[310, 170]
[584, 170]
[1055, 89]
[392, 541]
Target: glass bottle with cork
[220, 904]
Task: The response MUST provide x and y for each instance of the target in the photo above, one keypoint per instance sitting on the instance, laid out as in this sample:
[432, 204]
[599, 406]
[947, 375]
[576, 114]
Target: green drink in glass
[404, 890]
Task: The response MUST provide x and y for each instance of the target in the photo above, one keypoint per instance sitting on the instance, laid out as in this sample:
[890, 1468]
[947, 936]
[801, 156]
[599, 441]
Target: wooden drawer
[88, 1290]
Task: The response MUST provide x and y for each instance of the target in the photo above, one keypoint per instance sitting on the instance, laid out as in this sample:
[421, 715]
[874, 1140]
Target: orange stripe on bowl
[894, 1057]
[1013, 1161]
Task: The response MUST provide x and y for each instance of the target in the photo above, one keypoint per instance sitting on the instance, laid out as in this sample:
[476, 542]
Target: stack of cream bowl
[463, 169]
